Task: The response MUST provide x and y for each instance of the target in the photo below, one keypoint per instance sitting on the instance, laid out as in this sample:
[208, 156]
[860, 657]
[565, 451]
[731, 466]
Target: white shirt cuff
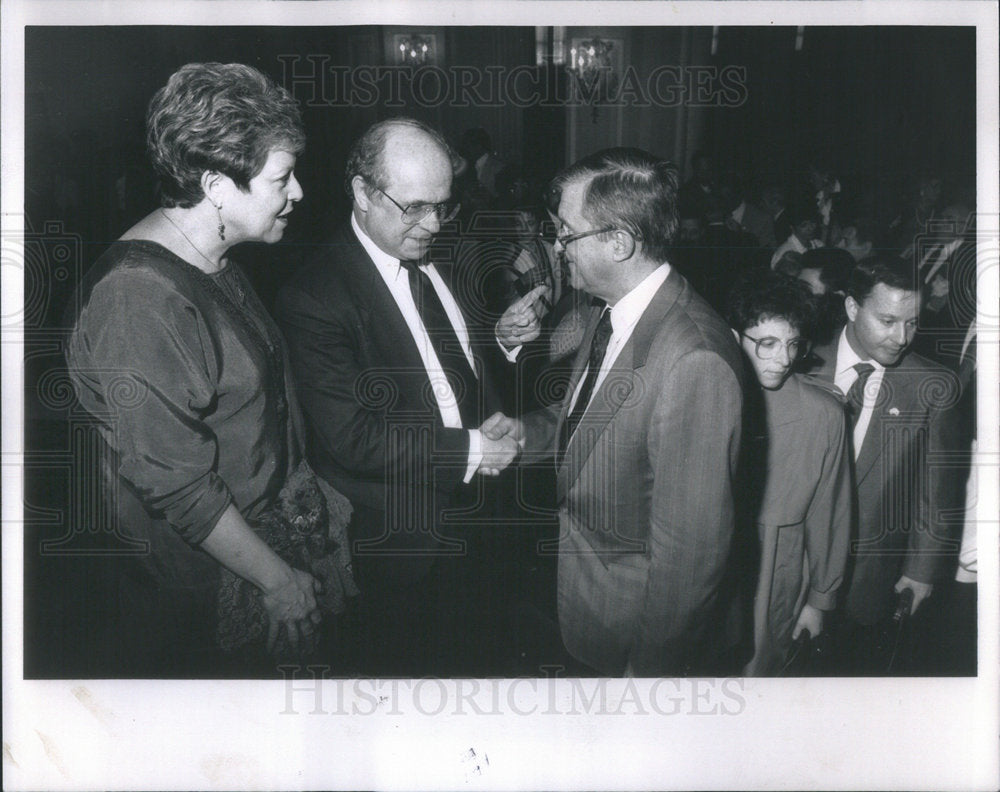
[510, 354]
[475, 453]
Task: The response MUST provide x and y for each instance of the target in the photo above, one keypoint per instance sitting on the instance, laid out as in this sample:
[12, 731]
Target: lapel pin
[893, 411]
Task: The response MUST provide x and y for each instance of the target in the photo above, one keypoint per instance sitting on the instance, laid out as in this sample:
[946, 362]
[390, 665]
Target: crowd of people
[751, 414]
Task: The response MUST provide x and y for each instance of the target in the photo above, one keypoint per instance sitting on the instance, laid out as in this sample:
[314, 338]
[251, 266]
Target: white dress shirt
[625, 315]
[844, 377]
[398, 281]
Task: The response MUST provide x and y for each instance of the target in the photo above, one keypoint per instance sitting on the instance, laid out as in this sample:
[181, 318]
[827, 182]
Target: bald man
[394, 390]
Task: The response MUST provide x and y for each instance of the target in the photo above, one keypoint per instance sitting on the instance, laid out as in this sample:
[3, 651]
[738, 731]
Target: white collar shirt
[397, 280]
[844, 377]
[625, 315]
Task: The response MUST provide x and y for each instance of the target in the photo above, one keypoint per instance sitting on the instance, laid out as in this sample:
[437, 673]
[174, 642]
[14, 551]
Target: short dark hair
[366, 158]
[834, 265]
[766, 294]
[800, 209]
[224, 117]
[630, 189]
[868, 273]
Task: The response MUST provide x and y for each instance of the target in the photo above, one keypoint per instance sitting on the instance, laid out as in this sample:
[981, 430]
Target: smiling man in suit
[899, 407]
[394, 389]
[648, 438]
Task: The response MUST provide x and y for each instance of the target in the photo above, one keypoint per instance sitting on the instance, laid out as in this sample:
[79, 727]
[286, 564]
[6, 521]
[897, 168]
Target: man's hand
[498, 426]
[522, 321]
[921, 591]
[497, 455]
[809, 619]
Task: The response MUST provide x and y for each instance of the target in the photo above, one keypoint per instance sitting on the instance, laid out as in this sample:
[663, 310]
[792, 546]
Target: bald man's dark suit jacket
[374, 429]
[908, 495]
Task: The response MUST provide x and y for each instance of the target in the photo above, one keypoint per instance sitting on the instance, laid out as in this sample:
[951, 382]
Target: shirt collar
[626, 312]
[379, 257]
[847, 358]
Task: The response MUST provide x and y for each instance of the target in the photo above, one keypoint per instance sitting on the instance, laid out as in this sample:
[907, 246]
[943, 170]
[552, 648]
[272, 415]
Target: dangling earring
[222, 226]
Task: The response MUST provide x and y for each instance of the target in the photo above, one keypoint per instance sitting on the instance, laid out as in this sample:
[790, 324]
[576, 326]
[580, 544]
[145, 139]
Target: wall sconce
[593, 63]
[591, 59]
[415, 50]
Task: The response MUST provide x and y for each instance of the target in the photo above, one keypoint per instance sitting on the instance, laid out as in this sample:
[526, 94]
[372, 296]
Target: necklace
[214, 267]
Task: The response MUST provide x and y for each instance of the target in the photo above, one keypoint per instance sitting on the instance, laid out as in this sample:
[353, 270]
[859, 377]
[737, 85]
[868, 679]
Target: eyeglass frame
[564, 242]
[802, 352]
[436, 208]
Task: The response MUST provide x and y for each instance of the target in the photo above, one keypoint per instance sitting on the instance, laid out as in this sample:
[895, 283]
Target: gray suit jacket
[645, 490]
[909, 497]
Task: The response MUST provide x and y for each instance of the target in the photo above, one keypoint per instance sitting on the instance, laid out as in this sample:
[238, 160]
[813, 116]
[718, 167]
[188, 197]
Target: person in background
[797, 444]
[476, 147]
[826, 271]
[901, 411]
[805, 225]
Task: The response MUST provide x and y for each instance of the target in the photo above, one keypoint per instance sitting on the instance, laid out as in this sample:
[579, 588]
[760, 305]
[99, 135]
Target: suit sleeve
[935, 536]
[828, 518]
[348, 407]
[693, 445]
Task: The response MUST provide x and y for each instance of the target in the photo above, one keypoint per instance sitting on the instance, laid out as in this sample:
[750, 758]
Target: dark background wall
[877, 103]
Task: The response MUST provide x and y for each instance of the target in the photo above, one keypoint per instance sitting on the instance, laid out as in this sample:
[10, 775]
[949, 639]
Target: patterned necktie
[446, 345]
[598, 348]
[856, 393]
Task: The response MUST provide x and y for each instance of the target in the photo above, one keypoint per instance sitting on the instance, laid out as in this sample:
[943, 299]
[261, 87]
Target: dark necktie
[856, 393]
[446, 345]
[598, 348]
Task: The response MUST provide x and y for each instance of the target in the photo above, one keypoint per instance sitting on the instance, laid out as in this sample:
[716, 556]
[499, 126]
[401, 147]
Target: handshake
[502, 438]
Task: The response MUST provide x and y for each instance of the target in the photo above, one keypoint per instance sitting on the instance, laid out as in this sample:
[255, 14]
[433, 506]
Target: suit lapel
[618, 383]
[382, 319]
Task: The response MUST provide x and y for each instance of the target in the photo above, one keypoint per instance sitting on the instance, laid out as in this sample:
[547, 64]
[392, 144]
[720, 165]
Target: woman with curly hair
[201, 462]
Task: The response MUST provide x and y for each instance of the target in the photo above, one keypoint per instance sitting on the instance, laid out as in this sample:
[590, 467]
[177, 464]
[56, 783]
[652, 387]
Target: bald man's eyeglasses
[414, 213]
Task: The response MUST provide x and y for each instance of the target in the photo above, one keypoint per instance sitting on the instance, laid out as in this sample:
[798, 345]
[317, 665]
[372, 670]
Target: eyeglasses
[414, 213]
[767, 348]
[565, 240]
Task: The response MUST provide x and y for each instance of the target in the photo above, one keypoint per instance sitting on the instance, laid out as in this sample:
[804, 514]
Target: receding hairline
[403, 143]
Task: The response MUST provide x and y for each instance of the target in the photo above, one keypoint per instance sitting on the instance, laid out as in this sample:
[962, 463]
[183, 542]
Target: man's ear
[623, 245]
[360, 191]
[851, 307]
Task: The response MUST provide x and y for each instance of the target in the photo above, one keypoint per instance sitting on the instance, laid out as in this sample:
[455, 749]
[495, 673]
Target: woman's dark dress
[184, 374]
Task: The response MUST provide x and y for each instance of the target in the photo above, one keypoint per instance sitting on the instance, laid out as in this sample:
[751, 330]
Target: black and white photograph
[593, 395]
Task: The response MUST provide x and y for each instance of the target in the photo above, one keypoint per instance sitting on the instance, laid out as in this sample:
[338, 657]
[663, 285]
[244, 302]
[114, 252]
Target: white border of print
[783, 734]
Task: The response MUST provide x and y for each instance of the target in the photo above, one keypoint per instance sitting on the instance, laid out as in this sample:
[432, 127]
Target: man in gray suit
[647, 439]
[904, 448]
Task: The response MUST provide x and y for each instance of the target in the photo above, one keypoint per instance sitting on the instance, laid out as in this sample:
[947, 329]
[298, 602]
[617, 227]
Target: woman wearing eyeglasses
[796, 446]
